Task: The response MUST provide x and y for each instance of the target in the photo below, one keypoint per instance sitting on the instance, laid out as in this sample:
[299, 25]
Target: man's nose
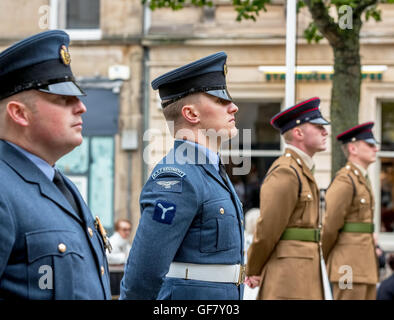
[233, 108]
[79, 106]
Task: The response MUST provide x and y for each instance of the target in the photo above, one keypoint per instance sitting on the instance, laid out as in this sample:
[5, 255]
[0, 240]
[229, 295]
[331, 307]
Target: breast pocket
[51, 256]
[302, 209]
[364, 205]
[219, 226]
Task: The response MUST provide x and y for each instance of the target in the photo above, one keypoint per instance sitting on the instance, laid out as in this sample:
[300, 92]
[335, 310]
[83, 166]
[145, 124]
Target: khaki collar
[361, 169]
[306, 158]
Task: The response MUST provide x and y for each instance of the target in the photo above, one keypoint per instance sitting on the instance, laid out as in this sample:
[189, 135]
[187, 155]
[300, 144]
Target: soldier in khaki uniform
[347, 236]
[284, 255]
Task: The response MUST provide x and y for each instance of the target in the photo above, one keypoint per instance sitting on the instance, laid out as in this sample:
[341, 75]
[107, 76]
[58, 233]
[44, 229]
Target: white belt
[233, 273]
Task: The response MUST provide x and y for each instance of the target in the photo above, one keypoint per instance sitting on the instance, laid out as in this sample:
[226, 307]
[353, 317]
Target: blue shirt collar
[44, 166]
[212, 157]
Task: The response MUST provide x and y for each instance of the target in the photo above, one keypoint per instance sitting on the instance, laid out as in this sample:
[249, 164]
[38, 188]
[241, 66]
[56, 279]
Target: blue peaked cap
[204, 75]
[40, 62]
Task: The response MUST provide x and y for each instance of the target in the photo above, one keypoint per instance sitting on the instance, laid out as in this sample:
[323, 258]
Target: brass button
[242, 222]
[298, 121]
[102, 270]
[356, 172]
[90, 232]
[62, 247]
[309, 196]
[299, 161]
[288, 155]
[347, 167]
[362, 200]
[221, 211]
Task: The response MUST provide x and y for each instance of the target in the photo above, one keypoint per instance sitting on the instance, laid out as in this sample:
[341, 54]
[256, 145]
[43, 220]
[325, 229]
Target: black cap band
[48, 72]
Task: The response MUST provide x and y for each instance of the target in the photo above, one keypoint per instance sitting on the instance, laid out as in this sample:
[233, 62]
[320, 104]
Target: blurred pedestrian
[120, 242]
[251, 217]
[386, 288]
[121, 245]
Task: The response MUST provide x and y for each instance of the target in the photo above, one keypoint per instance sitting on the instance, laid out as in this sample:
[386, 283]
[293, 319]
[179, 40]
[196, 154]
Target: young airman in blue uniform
[189, 242]
[49, 245]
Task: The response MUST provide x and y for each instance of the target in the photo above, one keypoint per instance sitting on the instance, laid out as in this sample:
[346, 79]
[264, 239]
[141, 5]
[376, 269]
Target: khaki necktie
[368, 182]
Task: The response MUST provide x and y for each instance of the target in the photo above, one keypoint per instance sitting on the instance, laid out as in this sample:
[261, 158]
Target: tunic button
[102, 270]
[62, 247]
[221, 211]
[309, 196]
[362, 200]
[242, 222]
[90, 232]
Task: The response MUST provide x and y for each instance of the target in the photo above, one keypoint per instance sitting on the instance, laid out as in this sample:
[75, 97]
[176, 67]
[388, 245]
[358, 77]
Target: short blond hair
[345, 149]
[26, 97]
[288, 136]
[173, 112]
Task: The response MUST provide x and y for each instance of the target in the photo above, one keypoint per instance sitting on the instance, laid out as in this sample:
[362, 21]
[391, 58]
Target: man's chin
[233, 132]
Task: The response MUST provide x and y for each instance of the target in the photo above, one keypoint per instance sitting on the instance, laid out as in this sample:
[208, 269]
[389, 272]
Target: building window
[81, 19]
[386, 157]
[264, 149]
[82, 14]
[90, 167]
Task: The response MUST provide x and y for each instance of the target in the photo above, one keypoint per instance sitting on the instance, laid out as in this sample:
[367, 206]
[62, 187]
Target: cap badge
[225, 69]
[65, 55]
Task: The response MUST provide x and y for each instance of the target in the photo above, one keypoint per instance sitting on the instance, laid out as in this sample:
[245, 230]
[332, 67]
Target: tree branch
[324, 22]
[362, 5]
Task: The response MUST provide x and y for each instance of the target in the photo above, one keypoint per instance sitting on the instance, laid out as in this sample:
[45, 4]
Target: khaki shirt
[349, 198]
[289, 197]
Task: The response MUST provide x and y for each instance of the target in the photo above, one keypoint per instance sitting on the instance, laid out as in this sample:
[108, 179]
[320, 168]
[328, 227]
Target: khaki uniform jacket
[289, 197]
[349, 199]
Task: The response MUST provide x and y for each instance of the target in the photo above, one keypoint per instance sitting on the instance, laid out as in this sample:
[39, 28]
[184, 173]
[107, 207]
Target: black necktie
[59, 182]
[222, 171]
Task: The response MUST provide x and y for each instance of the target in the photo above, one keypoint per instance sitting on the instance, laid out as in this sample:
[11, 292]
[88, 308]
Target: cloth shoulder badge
[164, 212]
[168, 179]
[65, 55]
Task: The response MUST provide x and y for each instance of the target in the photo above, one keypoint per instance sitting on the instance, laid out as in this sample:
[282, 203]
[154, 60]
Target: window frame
[57, 9]
[386, 239]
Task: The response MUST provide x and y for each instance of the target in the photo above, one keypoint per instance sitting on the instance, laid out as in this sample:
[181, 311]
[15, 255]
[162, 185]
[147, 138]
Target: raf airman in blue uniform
[189, 242]
[50, 245]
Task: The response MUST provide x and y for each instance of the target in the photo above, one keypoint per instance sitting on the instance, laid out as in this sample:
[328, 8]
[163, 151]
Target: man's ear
[352, 148]
[18, 112]
[191, 114]
[297, 133]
